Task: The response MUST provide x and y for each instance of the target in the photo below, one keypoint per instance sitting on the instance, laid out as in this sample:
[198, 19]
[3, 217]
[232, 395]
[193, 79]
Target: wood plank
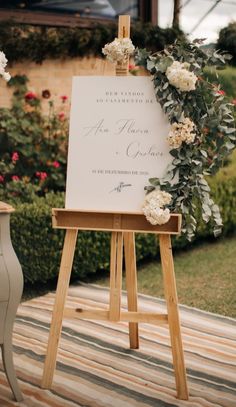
[147, 317]
[131, 285]
[51, 18]
[116, 275]
[154, 12]
[126, 316]
[124, 26]
[122, 69]
[59, 305]
[107, 221]
[129, 240]
[173, 316]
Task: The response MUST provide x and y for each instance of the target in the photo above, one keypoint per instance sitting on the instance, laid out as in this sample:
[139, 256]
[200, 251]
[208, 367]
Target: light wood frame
[123, 227]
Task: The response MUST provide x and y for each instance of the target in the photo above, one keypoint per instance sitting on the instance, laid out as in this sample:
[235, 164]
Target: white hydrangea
[180, 77]
[3, 64]
[180, 132]
[153, 207]
[161, 198]
[119, 50]
[3, 59]
[157, 216]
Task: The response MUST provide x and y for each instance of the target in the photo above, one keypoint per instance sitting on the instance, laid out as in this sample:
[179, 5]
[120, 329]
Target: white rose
[157, 216]
[6, 76]
[180, 77]
[153, 207]
[3, 59]
[3, 63]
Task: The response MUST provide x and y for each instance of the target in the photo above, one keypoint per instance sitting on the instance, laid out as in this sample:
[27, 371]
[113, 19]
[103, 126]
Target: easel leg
[56, 324]
[173, 316]
[116, 275]
[131, 285]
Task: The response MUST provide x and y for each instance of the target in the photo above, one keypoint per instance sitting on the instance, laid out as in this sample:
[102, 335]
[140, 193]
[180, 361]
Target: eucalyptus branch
[202, 128]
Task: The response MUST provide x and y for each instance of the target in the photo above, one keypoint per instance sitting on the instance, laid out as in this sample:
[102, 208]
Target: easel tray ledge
[112, 221]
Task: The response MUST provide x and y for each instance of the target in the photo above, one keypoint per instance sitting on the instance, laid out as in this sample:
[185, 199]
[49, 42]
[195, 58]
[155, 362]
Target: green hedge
[227, 40]
[38, 246]
[24, 42]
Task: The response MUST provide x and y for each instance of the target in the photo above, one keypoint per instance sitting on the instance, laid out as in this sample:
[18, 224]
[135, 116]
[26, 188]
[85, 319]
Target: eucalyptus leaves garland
[214, 138]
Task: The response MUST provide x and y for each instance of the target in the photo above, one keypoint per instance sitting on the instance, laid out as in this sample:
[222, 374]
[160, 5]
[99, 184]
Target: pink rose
[15, 178]
[41, 175]
[221, 92]
[64, 98]
[15, 156]
[30, 95]
[56, 164]
[1, 179]
[61, 116]
[131, 67]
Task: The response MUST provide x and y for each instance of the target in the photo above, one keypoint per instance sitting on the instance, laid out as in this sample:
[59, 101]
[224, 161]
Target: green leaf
[154, 181]
[229, 145]
[230, 130]
[204, 153]
[206, 209]
[150, 65]
[168, 103]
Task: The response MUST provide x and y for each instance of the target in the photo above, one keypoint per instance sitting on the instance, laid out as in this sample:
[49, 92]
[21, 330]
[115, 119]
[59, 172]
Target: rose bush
[33, 144]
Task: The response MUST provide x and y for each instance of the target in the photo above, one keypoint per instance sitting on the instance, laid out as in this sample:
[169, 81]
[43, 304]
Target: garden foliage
[227, 40]
[32, 144]
[189, 100]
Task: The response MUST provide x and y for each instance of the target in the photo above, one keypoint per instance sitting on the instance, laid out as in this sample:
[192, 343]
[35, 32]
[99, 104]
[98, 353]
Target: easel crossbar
[126, 316]
[113, 221]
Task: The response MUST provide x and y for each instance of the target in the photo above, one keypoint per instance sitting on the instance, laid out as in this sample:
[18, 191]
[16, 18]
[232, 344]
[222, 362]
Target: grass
[205, 276]
[228, 171]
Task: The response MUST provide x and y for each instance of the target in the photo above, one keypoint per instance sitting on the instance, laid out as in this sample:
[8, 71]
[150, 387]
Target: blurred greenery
[226, 78]
[227, 40]
[25, 42]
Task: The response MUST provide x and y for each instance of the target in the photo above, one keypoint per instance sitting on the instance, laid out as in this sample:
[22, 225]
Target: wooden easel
[122, 227]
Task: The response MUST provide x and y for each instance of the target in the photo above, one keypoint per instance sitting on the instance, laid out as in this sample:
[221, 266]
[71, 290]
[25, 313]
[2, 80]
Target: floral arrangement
[153, 207]
[119, 50]
[180, 77]
[202, 131]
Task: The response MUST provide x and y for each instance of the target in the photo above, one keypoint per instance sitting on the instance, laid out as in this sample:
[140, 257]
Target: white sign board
[117, 142]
